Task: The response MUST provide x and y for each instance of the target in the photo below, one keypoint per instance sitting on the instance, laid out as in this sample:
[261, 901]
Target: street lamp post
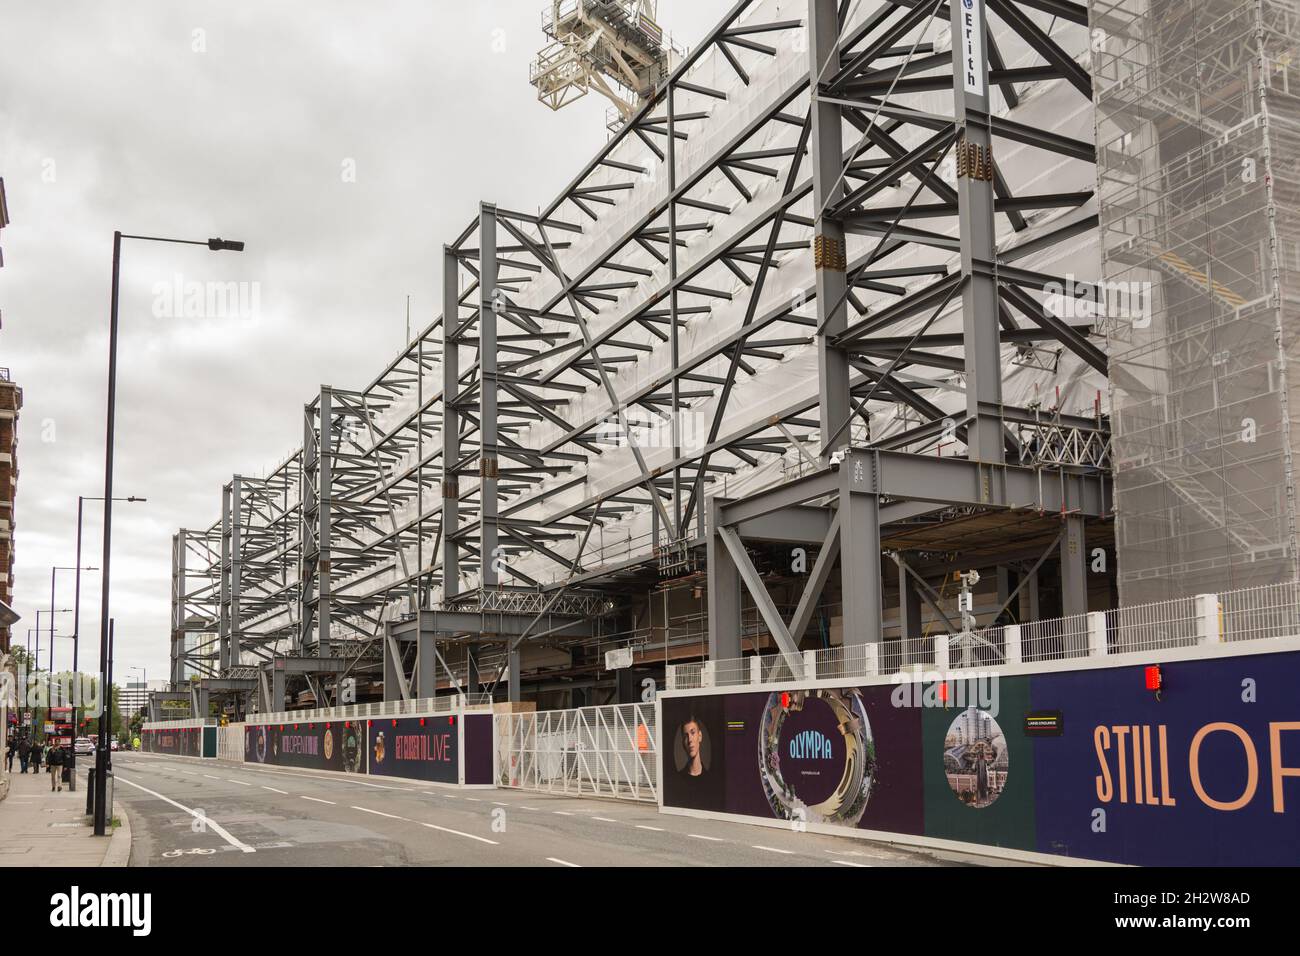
[53, 571]
[76, 629]
[105, 721]
[36, 661]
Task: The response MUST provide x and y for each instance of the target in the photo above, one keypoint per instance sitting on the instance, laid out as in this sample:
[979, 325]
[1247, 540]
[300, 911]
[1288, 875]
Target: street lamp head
[229, 245]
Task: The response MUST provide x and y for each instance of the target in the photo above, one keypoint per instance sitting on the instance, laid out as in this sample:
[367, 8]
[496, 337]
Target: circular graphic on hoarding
[259, 745]
[975, 758]
[351, 750]
[328, 744]
[817, 757]
[692, 748]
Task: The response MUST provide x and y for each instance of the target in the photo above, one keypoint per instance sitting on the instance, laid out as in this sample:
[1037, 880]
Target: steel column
[1074, 568]
[489, 304]
[975, 175]
[724, 592]
[827, 145]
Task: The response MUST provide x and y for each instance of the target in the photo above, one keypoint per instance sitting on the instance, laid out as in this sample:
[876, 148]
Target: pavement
[190, 812]
[40, 828]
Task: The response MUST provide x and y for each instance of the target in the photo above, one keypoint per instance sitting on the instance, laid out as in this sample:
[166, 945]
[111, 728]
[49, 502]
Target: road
[187, 812]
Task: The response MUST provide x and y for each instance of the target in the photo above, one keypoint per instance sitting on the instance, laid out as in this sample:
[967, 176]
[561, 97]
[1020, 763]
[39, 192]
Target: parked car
[82, 747]
[112, 744]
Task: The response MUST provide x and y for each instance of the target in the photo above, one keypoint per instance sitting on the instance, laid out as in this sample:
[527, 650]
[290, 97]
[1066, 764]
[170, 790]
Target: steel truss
[486, 469]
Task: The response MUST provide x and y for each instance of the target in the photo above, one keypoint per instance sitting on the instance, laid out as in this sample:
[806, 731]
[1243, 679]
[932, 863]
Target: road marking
[498, 803]
[380, 813]
[434, 826]
[319, 800]
[642, 826]
[242, 783]
[337, 778]
[605, 819]
[473, 799]
[562, 813]
[207, 821]
[210, 777]
[701, 836]
[555, 859]
[851, 863]
[273, 790]
[772, 849]
[534, 809]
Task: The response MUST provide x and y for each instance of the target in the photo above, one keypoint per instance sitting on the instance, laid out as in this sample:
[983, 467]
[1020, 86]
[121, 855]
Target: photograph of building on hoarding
[975, 758]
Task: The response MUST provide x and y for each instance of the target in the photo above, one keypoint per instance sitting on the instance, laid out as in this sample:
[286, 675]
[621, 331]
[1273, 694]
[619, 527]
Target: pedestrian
[55, 766]
[10, 750]
[25, 753]
[38, 751]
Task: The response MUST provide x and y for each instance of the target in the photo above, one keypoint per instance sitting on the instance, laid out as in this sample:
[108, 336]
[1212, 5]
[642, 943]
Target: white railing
[604, 751]
[187, 723]
[446, 704]
[1248, 614]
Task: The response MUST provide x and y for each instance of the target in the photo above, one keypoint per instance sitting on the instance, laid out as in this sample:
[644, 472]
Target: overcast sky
[345, 143]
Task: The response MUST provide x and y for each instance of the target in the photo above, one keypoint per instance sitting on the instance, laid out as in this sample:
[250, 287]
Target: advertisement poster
[182, 742]
[421, 748]
[319, 745]
[1086, 763]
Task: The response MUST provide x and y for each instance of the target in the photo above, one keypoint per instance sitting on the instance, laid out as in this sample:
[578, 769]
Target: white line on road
[434, 826]
[472, 799]
[555, 859]
[642, 826]
[210, 777]
[701, 836]
[851, 863]
[207, 821]
[380, 813]
[498, 803]
[273, 790]
[242, 783]
[319, 800]
[772, 849]
[534, 809]
[605, 819]
[562, 813]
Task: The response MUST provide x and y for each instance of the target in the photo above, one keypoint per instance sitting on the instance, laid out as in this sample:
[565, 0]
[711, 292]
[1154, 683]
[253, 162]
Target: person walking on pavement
[55, 766]
[25, 753]
[10, 750]
[37, 752]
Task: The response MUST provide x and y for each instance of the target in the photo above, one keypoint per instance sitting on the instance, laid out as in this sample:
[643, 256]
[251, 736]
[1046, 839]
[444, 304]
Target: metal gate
[606, 751]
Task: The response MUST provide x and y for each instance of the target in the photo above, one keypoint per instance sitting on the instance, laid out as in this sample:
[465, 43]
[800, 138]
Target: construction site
[873, 324]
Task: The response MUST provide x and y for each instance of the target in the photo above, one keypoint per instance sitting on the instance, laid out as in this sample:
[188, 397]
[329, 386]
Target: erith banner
[1086, 763]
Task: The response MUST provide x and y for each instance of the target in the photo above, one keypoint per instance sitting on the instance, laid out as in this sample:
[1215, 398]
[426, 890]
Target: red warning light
[785, 699]
[452, 719]
[394, 721]
[943, 692]
[1154, 679]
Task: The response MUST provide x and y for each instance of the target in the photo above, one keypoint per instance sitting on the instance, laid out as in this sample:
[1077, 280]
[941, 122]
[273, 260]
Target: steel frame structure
[461, 498]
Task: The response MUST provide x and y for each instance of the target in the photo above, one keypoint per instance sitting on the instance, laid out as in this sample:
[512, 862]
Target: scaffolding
[1198, 123]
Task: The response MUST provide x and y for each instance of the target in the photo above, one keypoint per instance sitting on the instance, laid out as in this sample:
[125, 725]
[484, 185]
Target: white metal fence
[605, 751]
[230, 743]
[1249, 614]
[386, 708]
